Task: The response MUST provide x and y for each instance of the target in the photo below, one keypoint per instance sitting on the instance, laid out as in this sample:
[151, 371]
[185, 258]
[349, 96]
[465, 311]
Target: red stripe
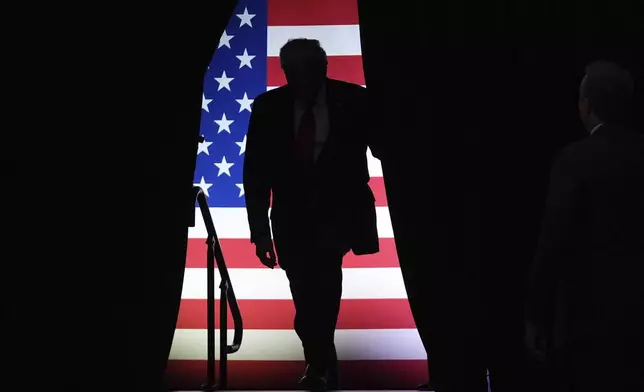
[283, 375]
[278, 314]
[309, 13]
[240, 253]
[347, 68]
[377, 185]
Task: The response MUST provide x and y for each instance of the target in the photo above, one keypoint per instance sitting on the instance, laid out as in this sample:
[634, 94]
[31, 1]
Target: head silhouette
[605, 95]
[304, 64]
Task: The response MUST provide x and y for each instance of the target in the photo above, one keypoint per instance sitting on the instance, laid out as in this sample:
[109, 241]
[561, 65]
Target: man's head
[304, 63]
[605, 95]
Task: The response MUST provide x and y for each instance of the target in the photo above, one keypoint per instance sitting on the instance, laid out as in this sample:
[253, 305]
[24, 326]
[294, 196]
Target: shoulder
[583, 154]
[347, 89]
[575, 150]
[574, 156]
[273, 96]
[612, 142]
[348, 95]
[341, 84]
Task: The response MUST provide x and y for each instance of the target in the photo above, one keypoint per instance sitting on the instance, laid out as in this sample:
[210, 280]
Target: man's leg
[331, 286]
[304, 307]
[317, 289]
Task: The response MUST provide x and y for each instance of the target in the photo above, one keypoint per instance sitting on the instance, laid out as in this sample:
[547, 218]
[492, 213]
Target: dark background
[107, 91]
[481, 97]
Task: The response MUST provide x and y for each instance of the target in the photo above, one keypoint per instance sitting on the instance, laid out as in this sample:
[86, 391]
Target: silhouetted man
[587, 295]
[307, 145]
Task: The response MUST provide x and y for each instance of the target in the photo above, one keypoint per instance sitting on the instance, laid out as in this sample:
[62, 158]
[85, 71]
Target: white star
[245, 18]
[224, 167]
[241, 189]
[203, 147]
[204, 186]
[224, 81]
[244, 103]
[245, 59]
[224, 124]
[205, 102]
[225, 40]
[242, 145]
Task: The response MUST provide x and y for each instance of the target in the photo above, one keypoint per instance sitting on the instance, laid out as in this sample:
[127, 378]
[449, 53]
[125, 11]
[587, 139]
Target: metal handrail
[227, 298]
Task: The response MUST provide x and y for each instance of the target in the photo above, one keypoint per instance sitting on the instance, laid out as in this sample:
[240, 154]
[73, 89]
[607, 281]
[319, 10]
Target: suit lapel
[285, 121]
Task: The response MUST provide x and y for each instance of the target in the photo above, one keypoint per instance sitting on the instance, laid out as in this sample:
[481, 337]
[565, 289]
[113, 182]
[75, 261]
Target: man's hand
[265, 252]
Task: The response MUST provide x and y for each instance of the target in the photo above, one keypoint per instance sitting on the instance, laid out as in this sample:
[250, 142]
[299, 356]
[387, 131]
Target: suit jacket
[587, 280]
[346, 215]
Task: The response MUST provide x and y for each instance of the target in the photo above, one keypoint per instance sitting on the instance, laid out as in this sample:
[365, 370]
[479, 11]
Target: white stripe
[337, 40]
[284, 345]
[374, 165]
[232, 222]
[267, 284]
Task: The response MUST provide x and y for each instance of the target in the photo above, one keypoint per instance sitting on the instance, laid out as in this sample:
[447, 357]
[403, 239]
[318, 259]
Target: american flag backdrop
[377, 342]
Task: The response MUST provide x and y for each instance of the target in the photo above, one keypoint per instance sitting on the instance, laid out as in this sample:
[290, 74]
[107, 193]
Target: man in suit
[587, 296]
[306, 145]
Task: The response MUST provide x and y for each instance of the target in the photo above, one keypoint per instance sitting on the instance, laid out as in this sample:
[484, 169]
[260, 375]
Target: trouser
[316, 287]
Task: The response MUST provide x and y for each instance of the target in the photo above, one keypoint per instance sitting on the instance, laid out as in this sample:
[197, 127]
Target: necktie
[305, 142]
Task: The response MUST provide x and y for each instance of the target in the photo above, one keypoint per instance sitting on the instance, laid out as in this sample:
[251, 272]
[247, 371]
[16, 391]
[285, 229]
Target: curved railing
[227, 299]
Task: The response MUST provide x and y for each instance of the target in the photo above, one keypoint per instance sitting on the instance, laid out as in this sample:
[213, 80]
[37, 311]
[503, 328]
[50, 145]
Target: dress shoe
[425, 387]
[333, 378]
[312, 380]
